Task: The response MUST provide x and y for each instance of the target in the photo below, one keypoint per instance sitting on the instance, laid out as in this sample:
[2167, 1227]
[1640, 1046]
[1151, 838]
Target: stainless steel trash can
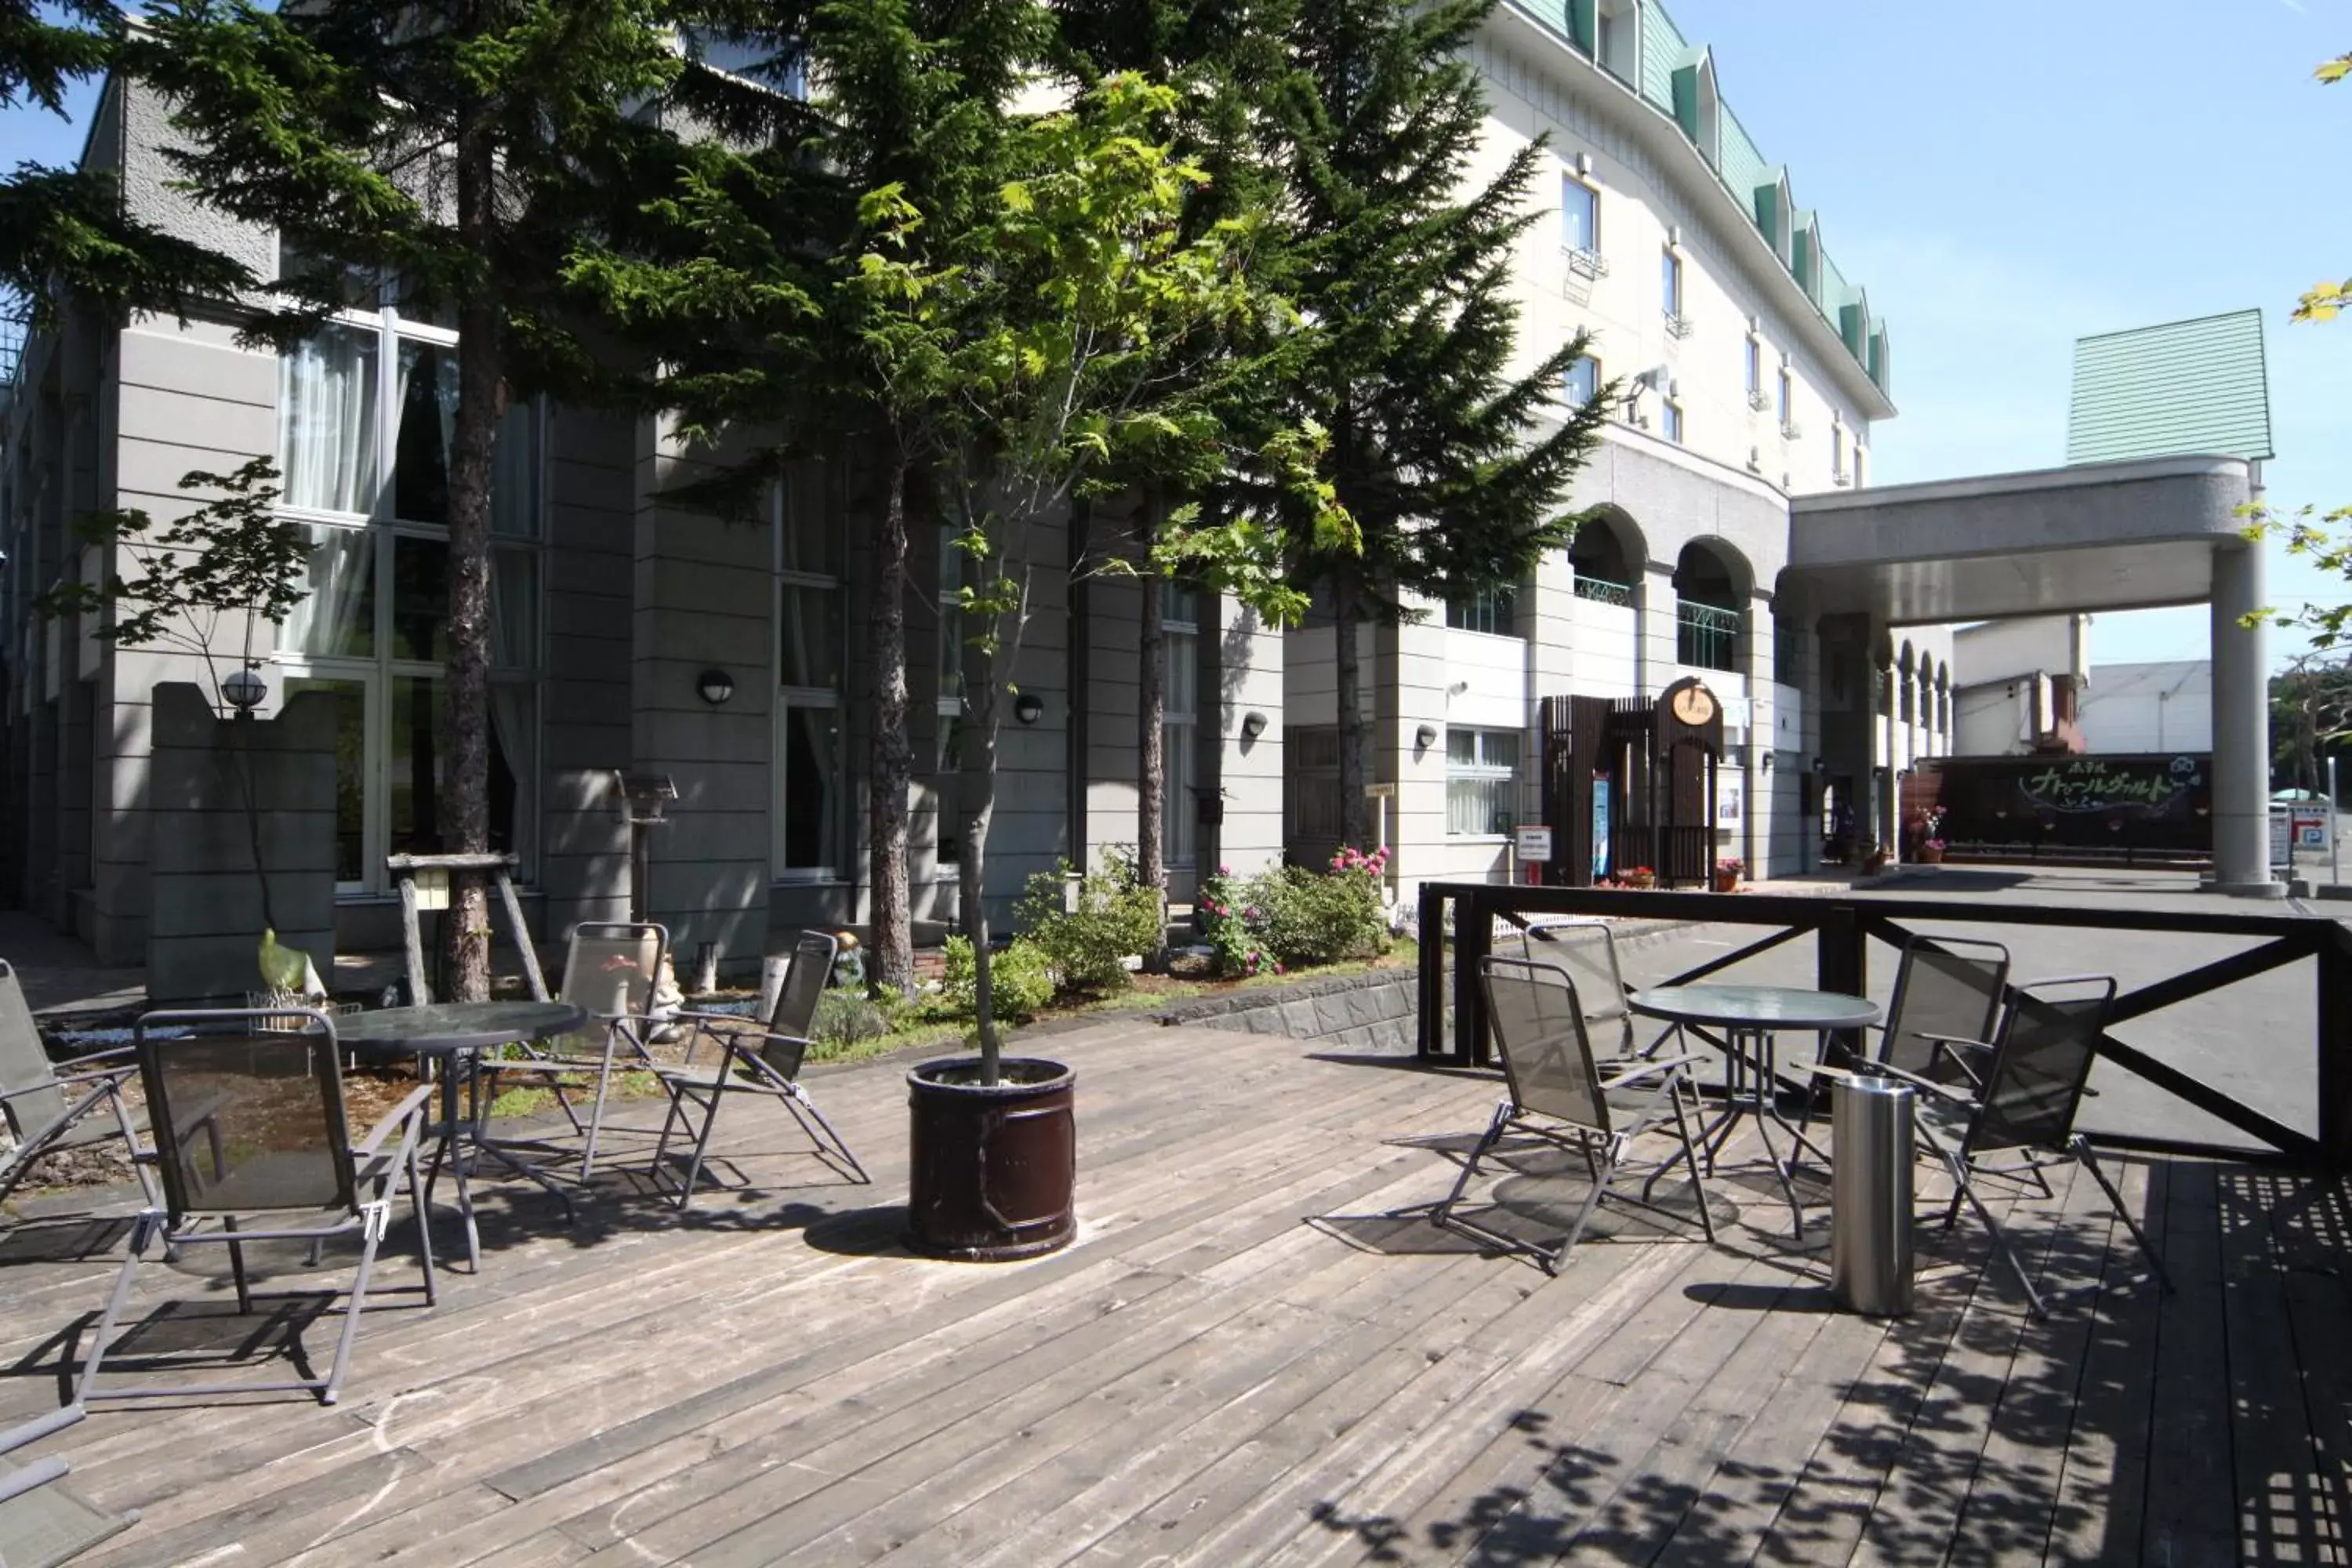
[1870, 1196]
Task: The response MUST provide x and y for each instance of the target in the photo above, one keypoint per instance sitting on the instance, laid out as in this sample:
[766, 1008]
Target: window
[1837, 451]
[1583, 382]
[1180, 770]
[1673, 424]
[1860, 459]
[1311, 781]
[1579, 217]
[366, 413]
[780, 64]
[811, 789]
[1754, 373]
[1670, 285]
[1788, 405]
[1482, 768]
[1489, 612]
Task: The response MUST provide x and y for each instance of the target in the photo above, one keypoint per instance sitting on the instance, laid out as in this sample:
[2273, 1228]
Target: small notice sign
[1535, 844]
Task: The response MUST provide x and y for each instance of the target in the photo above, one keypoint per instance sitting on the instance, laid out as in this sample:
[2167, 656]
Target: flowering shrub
[1732, 866]
[1292, 916]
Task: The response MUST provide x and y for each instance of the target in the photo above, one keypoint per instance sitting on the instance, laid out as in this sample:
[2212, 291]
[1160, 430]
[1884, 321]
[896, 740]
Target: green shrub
[1291, 916]
[1020, 981]
[1112, 917]
[844, 1017]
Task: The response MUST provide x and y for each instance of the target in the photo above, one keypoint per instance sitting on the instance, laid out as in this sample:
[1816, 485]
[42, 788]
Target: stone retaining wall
[1368, 1012]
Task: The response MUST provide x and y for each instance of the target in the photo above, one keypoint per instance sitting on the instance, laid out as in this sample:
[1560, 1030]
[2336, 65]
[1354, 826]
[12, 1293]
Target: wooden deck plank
[1207, 1378]
[2192, 1508]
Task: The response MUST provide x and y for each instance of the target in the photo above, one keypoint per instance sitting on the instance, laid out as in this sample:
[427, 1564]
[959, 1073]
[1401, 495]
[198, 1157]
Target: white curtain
[326, 400]
[338, 616]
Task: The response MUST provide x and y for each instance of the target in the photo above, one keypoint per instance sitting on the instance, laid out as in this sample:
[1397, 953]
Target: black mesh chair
[247, 1120]
[52, 1106]
[611, 968]
[1559, 1096]
[2022, 1092]
[1948, 990]
[762, 1061]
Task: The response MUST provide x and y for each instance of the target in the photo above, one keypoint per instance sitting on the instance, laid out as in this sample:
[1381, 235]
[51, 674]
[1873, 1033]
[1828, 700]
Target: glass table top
[1758, 1006]
[455, 1025]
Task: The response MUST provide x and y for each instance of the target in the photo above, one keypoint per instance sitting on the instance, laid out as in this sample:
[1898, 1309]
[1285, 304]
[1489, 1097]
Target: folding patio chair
[45, 1102]
[42, 1522]
[2023, 1093]
[611, 969]
[757, 1061]
[1948, 990]
[1559, 1096]
[1587, 950]
[247, 1120]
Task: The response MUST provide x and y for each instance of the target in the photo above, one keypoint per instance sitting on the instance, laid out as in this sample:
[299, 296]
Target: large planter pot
[994, 1166]
[1727, 881]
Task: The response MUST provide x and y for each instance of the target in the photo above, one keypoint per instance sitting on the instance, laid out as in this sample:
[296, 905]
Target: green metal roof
[2186, 389]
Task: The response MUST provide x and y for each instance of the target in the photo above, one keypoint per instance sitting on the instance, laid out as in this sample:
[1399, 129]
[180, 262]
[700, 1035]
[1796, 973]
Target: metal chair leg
[424, 1228]
[701, 1145]
[2082, 1148]
[1487, 1141]
[372, 1232]
[143, 1230]
[804, 1109]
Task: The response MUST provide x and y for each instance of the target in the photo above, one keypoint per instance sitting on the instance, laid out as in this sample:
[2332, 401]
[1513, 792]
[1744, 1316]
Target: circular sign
[1694, 705]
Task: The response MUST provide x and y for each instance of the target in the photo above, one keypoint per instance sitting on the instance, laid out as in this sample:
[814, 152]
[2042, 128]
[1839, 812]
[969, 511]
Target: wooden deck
[1257, 1352]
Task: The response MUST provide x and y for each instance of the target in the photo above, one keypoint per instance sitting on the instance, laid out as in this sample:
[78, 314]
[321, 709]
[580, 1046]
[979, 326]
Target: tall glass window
[1583, 382]
[1670, 284]
[1179, 748]
[1754, 368]
[1489, 612]
[366, 413]
[810, 771]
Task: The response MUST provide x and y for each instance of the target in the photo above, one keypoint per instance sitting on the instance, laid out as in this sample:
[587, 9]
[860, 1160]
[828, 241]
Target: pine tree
[1437, 452]
[465, 147]
[64, 232]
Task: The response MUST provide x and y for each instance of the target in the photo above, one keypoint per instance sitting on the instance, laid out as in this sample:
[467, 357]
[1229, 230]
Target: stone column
[2240, 727]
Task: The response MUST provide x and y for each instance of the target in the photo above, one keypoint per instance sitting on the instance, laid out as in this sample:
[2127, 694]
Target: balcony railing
[1602, 592]
[1707, 638]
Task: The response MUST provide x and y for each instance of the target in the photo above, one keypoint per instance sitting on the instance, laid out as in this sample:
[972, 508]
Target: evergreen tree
[464, 148]
[800, 305]
[1437, 452]
[63, 232]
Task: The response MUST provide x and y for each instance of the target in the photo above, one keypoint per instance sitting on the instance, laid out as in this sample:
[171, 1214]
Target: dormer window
[1617, 46]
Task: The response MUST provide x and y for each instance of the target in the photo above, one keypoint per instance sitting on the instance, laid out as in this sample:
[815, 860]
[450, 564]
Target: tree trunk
[1355, 813]
[1152, 726]
[464, 816]
[892, 755]
[979, 794]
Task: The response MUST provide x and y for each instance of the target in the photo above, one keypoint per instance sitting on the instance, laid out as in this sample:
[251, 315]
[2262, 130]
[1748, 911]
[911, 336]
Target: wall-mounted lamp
[1028, 708]
[1426, 737]
[1767, 762]
[1253, 725]
[1820, 767]
[715, 686]
[244, 690]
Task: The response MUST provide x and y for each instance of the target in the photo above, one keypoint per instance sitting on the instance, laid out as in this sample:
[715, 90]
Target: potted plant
[1931, 837]
[1931, 851]
[1641, 876]
[1873, 859]
[1727, 872]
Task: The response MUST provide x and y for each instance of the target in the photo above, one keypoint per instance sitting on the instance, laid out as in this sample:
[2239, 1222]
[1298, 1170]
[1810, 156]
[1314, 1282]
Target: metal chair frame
[634, 1029]
[2003, 1085]
[1602, 1139]
[765, 1062]
[367, 1177]
[44, 1101]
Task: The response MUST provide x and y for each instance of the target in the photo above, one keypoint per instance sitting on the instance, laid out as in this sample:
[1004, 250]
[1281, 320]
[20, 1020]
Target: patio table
[1751, 1018]
[453, 1035]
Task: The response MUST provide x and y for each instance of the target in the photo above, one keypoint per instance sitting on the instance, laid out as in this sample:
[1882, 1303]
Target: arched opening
[1906, 676]
[1943, 702]
[1606, 557]
[1711, 595]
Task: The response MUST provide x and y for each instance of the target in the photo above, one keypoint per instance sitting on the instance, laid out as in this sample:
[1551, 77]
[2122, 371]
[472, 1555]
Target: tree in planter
[808, 298]
[65, 233]
[464, 148]
[1435, 451]
[1066, 336]
[230, 565]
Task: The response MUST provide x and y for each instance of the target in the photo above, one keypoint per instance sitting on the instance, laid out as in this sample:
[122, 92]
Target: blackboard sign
[2156, 801]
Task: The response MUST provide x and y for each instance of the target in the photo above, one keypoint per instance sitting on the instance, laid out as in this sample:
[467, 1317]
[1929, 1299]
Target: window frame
[1483, 770]
[1490, 611]
[1591, 367]
[1671, 422]
[1180, 728]
[1671, 286]
[1570, 181]
[377, 670]
[786, 580]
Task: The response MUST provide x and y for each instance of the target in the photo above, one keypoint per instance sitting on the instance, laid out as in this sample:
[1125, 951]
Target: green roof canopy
[2184, 389]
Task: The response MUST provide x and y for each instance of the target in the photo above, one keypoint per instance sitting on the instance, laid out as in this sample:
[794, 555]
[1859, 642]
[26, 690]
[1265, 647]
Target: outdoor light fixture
[1253, 725]
[1426, 737]
[1820, 767]
[244, 690]
[1028, 708]
[1767, 762]
[715, 686]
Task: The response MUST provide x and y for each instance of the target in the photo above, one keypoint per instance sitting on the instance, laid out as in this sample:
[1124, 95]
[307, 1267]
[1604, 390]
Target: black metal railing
[1842, 930]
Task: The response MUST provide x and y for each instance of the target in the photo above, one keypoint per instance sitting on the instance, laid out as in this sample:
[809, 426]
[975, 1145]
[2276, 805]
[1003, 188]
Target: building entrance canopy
[2099, 536]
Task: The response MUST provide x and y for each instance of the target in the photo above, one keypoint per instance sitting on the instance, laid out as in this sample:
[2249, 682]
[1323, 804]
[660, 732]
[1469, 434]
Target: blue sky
[2005, 179]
